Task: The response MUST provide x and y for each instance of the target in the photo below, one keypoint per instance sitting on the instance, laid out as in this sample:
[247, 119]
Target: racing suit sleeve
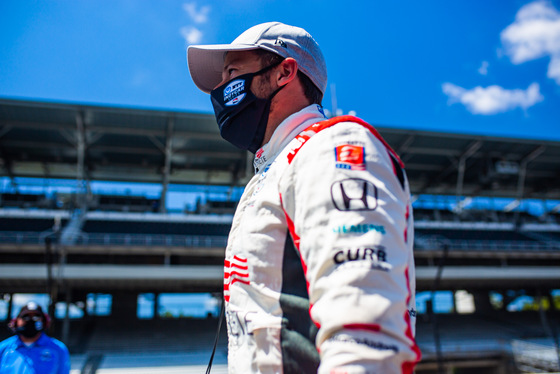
[350, 218]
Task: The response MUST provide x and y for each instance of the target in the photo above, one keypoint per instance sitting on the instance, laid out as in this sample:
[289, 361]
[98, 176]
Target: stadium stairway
[151, 363]
[163, 335]
[476, 335]
[547, 239]
[146, 346]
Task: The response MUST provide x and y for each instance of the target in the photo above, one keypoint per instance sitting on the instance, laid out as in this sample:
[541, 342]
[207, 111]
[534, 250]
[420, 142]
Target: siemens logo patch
[359, 229]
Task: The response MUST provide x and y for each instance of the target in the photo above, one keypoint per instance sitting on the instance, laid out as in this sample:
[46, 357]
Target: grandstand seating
[476, 239]
[476, 335]
[460, 336]
[127, 230]
[117, 203]
[216, 207]
[159, 335]
[26, 224]
[188, 362]
[554, 218]
[145, 346]
[479, 215]
[151, 227]
[550, 235]
[124, 203]
[120, 229]
[423, 214]
[485, 235]
[22, 200]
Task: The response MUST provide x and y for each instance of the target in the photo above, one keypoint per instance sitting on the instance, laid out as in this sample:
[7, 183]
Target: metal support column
[10, 306]
[168, 151]
[460, 182]
[473, 147]
[156, 305]
[72, 229]
[7, 162]
[66, 321]
[523, 174]
[80, 148]
[249, 169]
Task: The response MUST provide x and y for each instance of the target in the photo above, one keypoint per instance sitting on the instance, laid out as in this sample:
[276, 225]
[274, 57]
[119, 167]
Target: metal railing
[489, 346]
[486, 245]
[533, 357]
[421, 242]
[147, 240]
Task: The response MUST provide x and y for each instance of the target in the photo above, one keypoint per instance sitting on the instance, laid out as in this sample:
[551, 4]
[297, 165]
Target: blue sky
[482, 67]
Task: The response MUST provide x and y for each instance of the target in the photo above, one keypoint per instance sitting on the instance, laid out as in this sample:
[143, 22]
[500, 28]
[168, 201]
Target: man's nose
[219, 84]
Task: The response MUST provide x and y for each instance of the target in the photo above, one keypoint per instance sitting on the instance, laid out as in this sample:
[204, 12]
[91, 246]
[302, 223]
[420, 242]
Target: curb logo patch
[354, 194]
[351, 157]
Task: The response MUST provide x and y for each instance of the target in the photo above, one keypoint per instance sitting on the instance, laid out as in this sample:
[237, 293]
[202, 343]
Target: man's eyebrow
[233, 62]
[226, 67]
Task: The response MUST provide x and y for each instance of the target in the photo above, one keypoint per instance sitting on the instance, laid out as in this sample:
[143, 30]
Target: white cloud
[535, 33]
[198, 15]
[191, 34]
[140, 77]
[492, 99]
[483, 69]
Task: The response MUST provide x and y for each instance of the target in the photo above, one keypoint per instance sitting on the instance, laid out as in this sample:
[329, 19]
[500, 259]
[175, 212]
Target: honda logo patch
[354, 194]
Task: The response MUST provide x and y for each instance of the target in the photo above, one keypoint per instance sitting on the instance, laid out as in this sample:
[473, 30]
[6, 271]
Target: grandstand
[487, 225]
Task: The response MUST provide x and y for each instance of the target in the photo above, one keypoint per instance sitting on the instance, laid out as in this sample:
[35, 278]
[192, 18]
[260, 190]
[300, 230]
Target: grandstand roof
[60, 140]
[41, 139]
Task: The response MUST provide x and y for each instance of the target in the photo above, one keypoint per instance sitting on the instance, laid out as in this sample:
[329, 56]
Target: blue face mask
[241, 116]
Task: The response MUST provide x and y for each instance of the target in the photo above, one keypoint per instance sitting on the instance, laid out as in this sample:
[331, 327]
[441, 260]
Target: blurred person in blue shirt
[31, 351]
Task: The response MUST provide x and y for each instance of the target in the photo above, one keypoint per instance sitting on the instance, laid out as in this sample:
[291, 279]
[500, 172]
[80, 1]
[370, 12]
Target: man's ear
[287, 71]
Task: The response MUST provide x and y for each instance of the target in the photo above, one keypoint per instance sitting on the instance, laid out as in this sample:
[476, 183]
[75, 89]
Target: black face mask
[241, 116]
[33, 326]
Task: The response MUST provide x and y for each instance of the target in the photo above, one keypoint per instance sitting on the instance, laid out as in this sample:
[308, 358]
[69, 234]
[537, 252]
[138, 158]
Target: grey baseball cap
[206, 61]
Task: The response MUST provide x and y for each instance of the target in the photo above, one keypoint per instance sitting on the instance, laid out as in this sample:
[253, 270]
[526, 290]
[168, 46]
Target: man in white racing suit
[319, 269]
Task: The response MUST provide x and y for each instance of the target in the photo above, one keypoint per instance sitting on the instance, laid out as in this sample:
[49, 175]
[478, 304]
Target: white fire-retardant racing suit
[319, 269]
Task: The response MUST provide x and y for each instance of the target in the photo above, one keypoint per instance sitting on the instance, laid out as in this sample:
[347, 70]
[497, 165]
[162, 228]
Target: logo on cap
[281, 43]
